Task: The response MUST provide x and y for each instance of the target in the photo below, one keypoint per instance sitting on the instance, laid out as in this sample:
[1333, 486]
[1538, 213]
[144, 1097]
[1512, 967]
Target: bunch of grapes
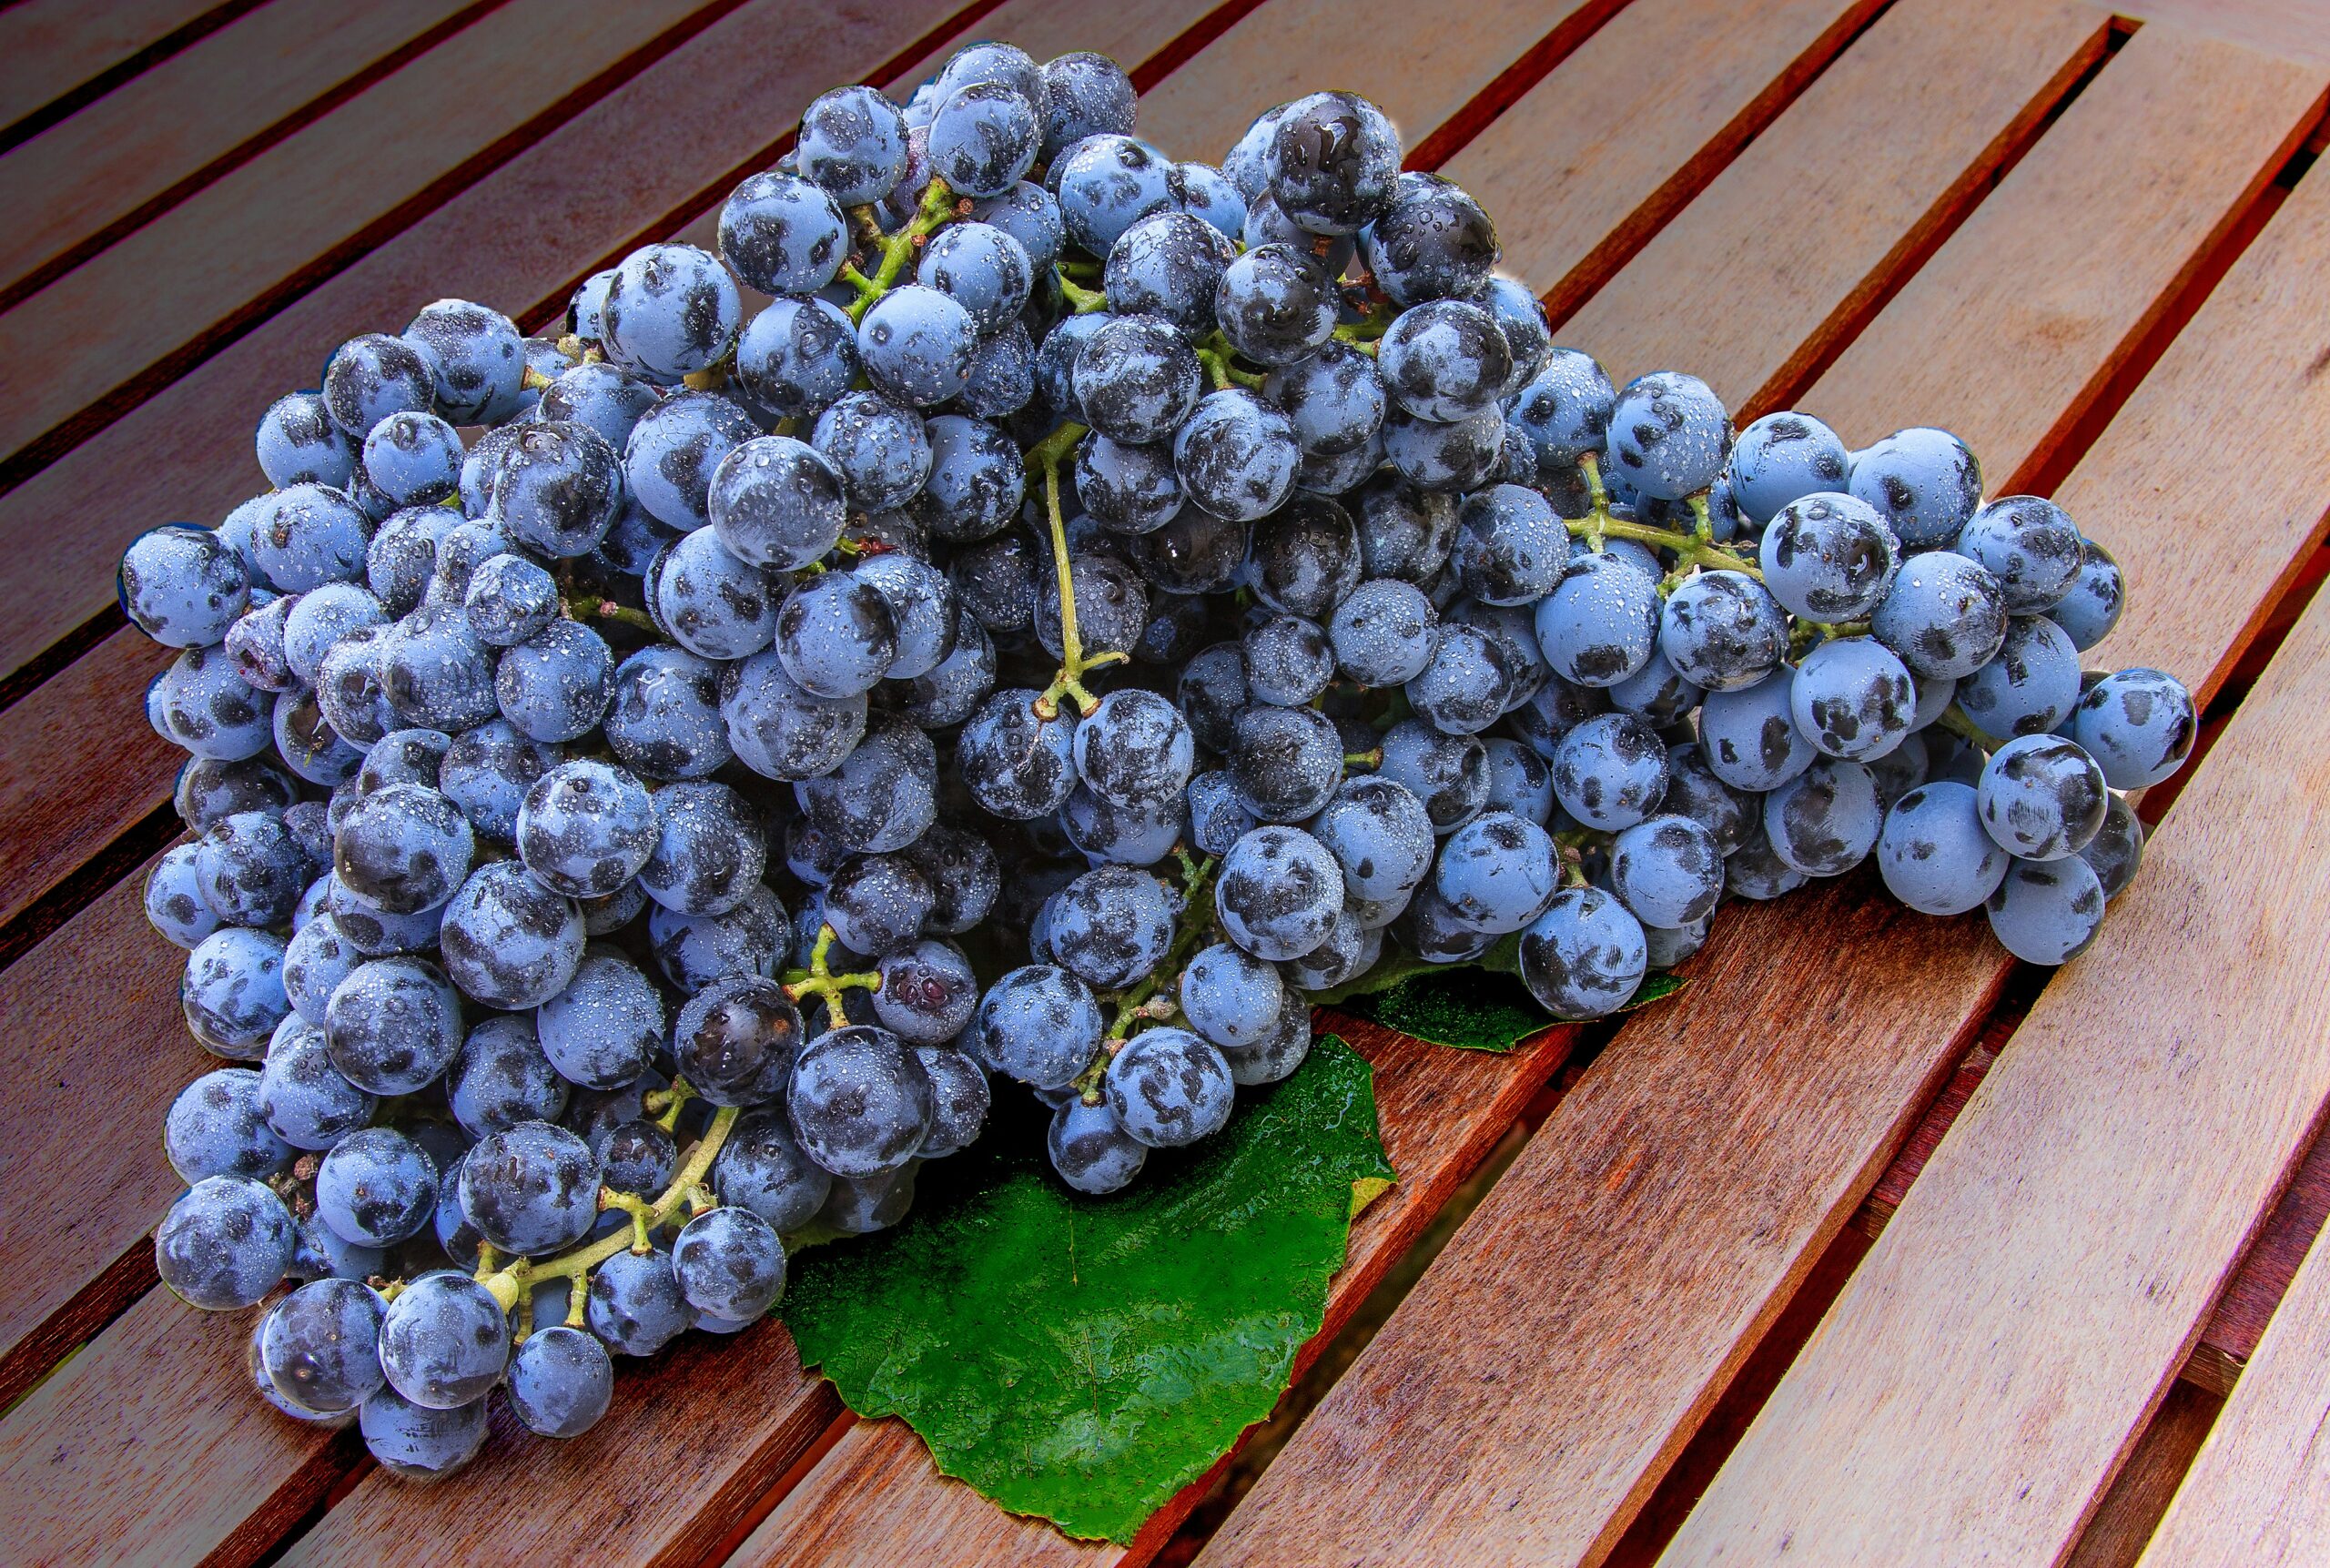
[607, 749]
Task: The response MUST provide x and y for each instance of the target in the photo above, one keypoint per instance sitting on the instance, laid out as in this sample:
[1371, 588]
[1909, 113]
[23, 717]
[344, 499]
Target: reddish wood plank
[49, 47]
[1686, 1184]
[95, 1052]
[82, 178]
[88, 1433]
[2094, 1196]
[876, 1498]
[2038, 298]
[1931, 101]
[2131, 1511]
[155, 300]
[78, 766]
[631, 166]
[1587, 167]
[2258, 1285]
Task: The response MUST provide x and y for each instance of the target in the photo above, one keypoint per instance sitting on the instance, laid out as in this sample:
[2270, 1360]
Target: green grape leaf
[1474, 1007]
[1084, 1358]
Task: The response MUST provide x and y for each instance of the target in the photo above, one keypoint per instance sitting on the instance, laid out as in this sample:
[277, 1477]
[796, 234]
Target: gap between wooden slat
[36, 119]
[68, 256]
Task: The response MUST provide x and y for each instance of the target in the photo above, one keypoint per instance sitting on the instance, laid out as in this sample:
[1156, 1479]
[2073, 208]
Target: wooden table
[1870, 1247]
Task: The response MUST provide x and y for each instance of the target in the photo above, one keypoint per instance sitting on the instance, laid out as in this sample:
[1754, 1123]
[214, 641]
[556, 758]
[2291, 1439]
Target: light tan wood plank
[876, 1497]
[161, 290]
[193, 1464]
[2258, 1492]
[1588, 164]
[2040, 296]
[94, 168]
[49, 47]
[1974, 1389]
[1790, 244]
[2289, 29]
[1528, 1395]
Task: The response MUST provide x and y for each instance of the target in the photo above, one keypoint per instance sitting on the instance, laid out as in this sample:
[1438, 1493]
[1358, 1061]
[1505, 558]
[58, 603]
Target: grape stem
[1084, 300]
[821, 981]
[938, 205]
[1696, 548]
[1953, 719]
[1223, 373]
[1149, 1000]
[1073, 664]
[515, 1278]
[1372, 758]
[588, 610]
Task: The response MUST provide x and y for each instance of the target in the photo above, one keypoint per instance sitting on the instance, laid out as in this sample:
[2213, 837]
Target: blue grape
[558, 488]
[1383, 633]
[673, 450]
[530, 1189]
[1783, 457]
[299, 443]
[860, 1101]
[444, 1341]
[762, 1168]
[556, 686]
[321, 1346]
[636, 1306]
[1236, 455]
[1167, 1088]
[984, 137]
[1934, 853]
[509, 940]
[1853, 698]
[979, 268]
[663, 721]
[183, 586]
[1925, 484]
[798, 357]
[1945, 616]
[882, 796]
[713, 603]
[2047, 912]
[1467, 686]
[1105, 184]
[1447, 773]
[1667, 871]
[1509, 547]
[1748, 735]
[876, 903]
[779, 729]
[1498, 872]
[174, 901]
[1288, 660]
[501, 1077]
[1029, 214]
[730, 1263]
[376, 1187]
[1828, 558]
[1134, 749]
[374, 374]
[1669, 435]
[1284, 763]
[670, 311]
[1091, 1149]
[225, 1243]
[604, 1029]
[1112, 926]
[2041, 797]
[1137, 379]
[1610, 772]
[1601, 622]
[1825, 820]
[419, 1443]
[1275, 304]
[2030, 687]
[1016, 764]
[2138, 724]
[916, 345]
[561, 1381]
[232, 992]
[413, 458]
[2118, 849]
[1042, 1024]
[880, 449]
[853, 142]
[1083, 95]
[783, 235]
[1585, 956]
[1167, 265]
[217, 1126]
[1332, 162]
[1278, 893]
[2034, 549]
[606, 397]
[1433, 242]
[1304, 558]
[1520, 781]
[1444, 361]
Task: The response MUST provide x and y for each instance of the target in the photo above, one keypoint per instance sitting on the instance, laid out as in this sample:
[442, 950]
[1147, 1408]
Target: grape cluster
[607, 748]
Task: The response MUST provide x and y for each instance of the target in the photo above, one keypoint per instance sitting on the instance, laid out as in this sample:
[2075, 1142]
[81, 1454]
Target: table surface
[1871, 1246]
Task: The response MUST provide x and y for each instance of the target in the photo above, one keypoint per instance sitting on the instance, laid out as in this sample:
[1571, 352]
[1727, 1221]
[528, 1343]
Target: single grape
[1748, 735]
[1934, 853]
[2034, 549]
[2042, 797]
[605, 1027]
[2030, 686]
[1284, 763]
[1925, 484]
[1828, 558]
[1853, 698]
[376, 1187]
[1945, 616]
[860, 1101]
[444, 1341]
[225, 1243]
[503, 1078]
[1610, 772]
[1091, 1149]
[393, 1026]
[532, 1188]
[1279, 891]
[636, 1306]
[2047, 912]
[2138, 724]
[1448, 774]
[1601, 622]
[730, 1263]
[1825, 820]
[1667, 871]
[561, 1381]
[416, 1442]
[217, 1127]
[1498, 872]
[2118, 849]
[1585, 956]
[319, 1347]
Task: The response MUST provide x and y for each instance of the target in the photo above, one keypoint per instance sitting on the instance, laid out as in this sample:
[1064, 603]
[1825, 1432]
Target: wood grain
[2132, 1508]
[1421, 67]
[2062, 1246]
[1587, 167]
[108, 1462]
[84, 175]
[49, 47]
[877, 1498]
[161, 293]
[1786, 250]
[2036, 297]
[1703, 1163]
[628, 168]
[2257, 1493]
[95, 1051]
[2237, 1322]
[79, 765]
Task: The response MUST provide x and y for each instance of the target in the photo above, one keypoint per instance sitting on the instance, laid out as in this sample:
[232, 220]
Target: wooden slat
[1585, 167]
[159, 295]
[86, 174]
[630, 167]
[2041, 293]
[2258, 1492]
[1930, 102]
[49, 47]
[2132, 1509]
[682, 1452]
[95, 1050]
[876, 1498]
[78, 766]
[1976, 1386]
[83, 1435]
[2237, 1322]
[1420, 66]
[1602, 1295]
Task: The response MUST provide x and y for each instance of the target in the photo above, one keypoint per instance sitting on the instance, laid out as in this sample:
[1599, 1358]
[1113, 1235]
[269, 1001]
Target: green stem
[1367, 759]
[1084, 300]
[821, 981]
[1073, 664]
[1225, 374]
[589, 610]
[1141, 1002]
[1953, 719]
[514, 1279]
[897, 249]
